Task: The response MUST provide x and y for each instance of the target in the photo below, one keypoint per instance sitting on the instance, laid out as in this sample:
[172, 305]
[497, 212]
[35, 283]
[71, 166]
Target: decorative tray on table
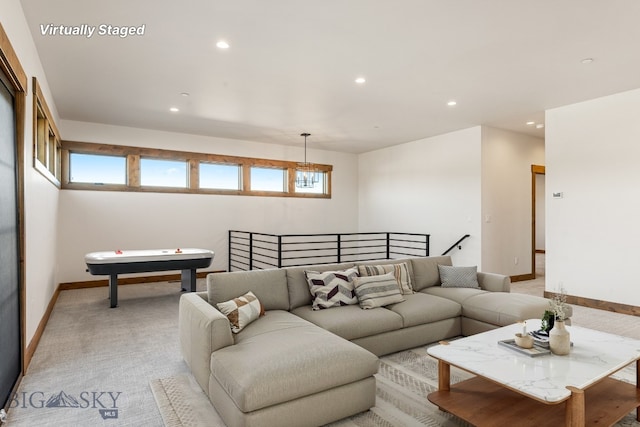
[534, 351]
[540, 344]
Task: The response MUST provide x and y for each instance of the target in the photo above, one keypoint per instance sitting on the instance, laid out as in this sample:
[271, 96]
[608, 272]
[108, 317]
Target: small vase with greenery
[559, 336]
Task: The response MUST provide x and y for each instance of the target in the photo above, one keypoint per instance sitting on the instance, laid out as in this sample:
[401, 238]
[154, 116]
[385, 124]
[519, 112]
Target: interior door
[10, 346]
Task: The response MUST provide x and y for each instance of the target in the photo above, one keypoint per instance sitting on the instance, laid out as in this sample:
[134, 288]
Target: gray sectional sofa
[298, 366]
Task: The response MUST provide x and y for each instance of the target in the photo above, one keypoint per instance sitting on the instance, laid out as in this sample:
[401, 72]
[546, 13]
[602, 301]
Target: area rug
[182, 403]
[403, 382]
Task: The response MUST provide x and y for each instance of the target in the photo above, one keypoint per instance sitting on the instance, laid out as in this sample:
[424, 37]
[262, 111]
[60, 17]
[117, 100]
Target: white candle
[524, 328]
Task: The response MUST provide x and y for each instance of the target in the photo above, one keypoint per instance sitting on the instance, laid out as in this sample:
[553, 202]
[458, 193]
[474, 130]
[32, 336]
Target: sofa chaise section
[280, 367]
[285, 368]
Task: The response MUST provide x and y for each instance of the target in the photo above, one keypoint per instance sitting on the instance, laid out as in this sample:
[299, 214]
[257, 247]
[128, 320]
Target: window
[319, 188]
[219, 176]
[163, 173]
[267, 179]
[87, 166]
[97, 169]
[46, 141]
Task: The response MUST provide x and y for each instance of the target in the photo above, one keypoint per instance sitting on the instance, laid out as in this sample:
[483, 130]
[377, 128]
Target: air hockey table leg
[189, 280]
[113, 290]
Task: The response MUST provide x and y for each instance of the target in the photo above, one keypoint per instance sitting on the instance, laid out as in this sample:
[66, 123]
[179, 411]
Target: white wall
[506, 199]
[429, 186]
[41, 196]
[592, 232]
[97, 220]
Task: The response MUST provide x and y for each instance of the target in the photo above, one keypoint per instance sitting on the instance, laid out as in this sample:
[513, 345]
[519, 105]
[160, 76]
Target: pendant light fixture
[306, 173]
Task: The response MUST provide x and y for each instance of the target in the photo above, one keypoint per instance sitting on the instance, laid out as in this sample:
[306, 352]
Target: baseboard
[615, 307]
[522, 277]
[33, 344]
[130, 280]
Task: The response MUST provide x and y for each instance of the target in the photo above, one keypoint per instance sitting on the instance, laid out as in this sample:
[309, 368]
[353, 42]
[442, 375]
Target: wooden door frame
[535, 171]
[11, 67]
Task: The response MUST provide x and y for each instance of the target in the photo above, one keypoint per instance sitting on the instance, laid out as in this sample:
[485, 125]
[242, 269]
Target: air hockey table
[112, 263]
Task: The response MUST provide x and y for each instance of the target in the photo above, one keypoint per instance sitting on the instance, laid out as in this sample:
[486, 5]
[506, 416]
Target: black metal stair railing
[252, 251]
[456, 244]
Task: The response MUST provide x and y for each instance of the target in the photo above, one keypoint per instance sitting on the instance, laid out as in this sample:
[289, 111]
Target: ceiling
[291, 65]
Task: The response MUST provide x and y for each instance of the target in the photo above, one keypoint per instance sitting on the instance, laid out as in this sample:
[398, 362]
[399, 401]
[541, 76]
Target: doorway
[538, 225]
[10, 287]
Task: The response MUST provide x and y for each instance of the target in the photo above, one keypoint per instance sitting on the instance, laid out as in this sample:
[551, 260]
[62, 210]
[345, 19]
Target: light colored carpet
[89, 347]
[403, 382]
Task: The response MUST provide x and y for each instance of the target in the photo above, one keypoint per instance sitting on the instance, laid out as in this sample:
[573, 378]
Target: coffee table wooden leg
[444, 376]
[575, 409]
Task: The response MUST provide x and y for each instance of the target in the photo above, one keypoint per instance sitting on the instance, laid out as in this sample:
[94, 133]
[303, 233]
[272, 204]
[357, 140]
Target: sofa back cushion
[269, 286]
[299, 293]
[425, 271]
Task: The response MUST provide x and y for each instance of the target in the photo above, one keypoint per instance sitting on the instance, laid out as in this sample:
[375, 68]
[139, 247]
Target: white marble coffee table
[514, 389]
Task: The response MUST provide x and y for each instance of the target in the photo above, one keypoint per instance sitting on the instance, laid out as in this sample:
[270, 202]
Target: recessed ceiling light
[222, 44]
[361, 80]
[174, 109]
[452, 103]
[587, 60]
[185, 94]
[531, 123]
[539, 126]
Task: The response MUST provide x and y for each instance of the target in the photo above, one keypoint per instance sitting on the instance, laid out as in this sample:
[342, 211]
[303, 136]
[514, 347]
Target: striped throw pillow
[377, 291]
[400, 272]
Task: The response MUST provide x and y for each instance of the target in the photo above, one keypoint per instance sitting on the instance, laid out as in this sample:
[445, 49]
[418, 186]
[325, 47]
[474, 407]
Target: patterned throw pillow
[241, 311]
[377, 291]
[332, 288]
[458, 277]
[400, 272]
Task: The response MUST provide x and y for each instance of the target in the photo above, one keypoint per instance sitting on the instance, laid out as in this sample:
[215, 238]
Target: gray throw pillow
[458, 277]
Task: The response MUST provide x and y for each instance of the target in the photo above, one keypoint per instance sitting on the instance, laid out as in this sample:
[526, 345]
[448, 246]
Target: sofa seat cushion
[286, 358]
[419, 308]
[351, 321]
[459, 295]
[274, 320]
[502, 308]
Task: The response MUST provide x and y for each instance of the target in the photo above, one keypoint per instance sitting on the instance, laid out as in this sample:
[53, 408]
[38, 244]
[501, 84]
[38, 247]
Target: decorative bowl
[524, 341]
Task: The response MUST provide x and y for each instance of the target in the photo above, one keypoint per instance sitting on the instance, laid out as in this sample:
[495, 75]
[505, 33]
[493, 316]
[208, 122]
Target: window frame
[47, 147]
[134, 154]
